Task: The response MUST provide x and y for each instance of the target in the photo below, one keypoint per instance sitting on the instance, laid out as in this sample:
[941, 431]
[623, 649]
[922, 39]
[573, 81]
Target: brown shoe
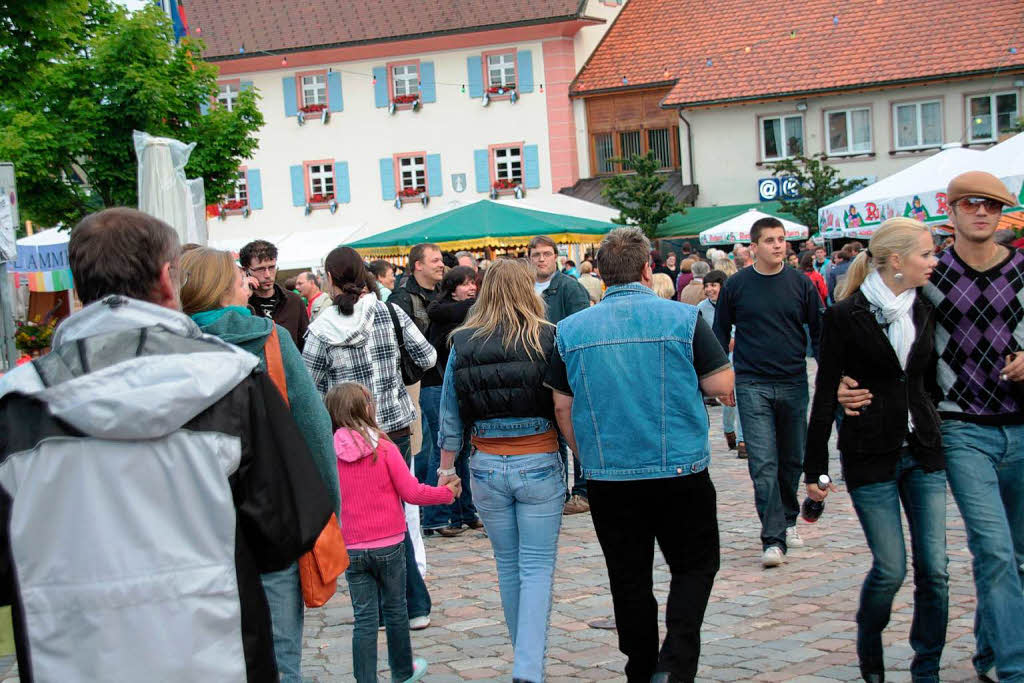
[476, 524]
[741, 450]
[451, 531]
[576, 505]
[730, 438]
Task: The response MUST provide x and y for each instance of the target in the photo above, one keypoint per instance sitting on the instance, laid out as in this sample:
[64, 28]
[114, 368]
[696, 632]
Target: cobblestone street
[793, 623]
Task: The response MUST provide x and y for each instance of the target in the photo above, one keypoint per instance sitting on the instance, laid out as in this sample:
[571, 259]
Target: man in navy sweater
[769, 305]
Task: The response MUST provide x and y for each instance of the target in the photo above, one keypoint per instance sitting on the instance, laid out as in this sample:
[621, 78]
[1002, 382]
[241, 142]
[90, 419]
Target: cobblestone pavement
[793, 623]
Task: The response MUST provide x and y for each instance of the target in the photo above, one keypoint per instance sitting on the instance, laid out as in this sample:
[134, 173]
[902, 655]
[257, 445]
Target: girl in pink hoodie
[374, 480]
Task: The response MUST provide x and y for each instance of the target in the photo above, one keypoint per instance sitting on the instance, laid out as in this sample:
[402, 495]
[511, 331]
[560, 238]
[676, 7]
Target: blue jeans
[520, 500]
[731, 420]
[986, 475]
[462, 510]
[416, 595]
[373, 571]
[774, 417]
[284, 597]
[923, 495]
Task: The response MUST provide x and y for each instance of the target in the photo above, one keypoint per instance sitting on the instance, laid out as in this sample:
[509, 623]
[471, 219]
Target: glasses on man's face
[542, 255]
[972, 204]
[263, 269]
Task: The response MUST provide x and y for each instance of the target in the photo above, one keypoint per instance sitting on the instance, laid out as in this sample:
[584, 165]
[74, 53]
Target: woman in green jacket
[215, 293]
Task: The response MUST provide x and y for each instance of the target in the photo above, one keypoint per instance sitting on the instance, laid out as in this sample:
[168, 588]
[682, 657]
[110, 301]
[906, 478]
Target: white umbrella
[737, 229]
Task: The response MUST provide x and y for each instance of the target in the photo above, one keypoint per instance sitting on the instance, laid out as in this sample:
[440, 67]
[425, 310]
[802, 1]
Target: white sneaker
[793, 539]
[419, 623]
[772, 556]
[419, 668]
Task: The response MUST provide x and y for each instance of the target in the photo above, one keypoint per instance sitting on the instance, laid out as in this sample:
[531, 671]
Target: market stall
[919, 191]
[737, 229]
[698, 219]
[486, 226]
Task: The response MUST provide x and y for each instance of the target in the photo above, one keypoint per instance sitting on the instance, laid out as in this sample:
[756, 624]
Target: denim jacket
[449, 437]
[637, 411]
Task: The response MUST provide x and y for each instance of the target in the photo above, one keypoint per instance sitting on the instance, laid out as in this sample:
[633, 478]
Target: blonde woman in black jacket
[881, 333]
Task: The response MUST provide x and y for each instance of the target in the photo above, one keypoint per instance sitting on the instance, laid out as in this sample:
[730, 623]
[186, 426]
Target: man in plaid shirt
[354, 340]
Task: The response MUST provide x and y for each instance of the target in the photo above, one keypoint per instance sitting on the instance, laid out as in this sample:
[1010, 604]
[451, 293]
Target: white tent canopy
[737, 229]
[919, 191]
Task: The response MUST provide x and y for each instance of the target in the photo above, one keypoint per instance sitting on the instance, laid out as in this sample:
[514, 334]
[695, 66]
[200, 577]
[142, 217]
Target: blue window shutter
[531, 167]
[291, 107]
[428, 89]
[435, 183]
[525, 67]
[380, 88]
[334, 100]
[245, 85]
[254, 185]
[204, 108]
[298, 185]
[475, 76]
[482, 169]
[387, 178]
[343, 191]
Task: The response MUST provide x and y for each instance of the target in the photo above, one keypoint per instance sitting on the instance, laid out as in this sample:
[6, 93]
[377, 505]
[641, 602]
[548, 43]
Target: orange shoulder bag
[320, 568]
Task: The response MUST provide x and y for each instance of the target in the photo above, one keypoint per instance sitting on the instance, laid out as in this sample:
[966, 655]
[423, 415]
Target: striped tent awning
[43, 261]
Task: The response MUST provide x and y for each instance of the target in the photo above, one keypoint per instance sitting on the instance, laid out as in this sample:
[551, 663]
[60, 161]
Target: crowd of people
[181, 478]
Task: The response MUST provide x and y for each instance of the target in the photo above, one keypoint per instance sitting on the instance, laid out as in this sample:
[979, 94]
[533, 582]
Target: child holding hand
[374, 481]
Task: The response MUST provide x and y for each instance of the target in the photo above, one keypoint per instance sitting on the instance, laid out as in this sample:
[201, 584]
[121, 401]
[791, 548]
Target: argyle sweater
[979, 321]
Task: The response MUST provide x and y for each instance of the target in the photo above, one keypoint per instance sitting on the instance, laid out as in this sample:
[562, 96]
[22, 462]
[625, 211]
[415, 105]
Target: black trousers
[679, 513]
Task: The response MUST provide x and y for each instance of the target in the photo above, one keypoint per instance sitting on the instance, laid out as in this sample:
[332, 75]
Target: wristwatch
[445, 473]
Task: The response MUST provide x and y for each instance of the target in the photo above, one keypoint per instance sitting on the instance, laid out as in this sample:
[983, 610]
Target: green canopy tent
[697, 220]
[481, 225]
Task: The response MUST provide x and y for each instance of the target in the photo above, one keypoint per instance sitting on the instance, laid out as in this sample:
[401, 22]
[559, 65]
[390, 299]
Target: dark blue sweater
[769, 312]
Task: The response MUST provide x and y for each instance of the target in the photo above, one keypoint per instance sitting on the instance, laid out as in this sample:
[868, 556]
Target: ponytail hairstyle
[350, 276]
[895, 237]
[351, 406]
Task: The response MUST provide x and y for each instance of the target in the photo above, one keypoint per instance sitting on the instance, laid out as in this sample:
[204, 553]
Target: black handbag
[411, 373]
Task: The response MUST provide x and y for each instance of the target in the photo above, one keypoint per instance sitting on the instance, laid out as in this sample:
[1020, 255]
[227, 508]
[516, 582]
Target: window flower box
[501, 89]
[321, 198]
[507, 187]
[320, 201]
[231, 206]
[411, 194]
[313, 108]
[411, 101]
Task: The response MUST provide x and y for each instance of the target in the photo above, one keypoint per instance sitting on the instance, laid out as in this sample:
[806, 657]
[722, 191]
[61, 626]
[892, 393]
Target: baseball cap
[978, 184]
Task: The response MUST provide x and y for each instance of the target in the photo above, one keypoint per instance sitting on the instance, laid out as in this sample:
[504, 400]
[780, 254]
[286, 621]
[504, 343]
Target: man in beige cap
[978, 293]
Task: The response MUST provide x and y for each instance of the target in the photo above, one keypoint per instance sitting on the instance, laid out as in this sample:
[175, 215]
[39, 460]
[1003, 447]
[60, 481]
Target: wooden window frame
[306, 179]
[487, 75]
[299, 75]
[396, 162]
[673, 133]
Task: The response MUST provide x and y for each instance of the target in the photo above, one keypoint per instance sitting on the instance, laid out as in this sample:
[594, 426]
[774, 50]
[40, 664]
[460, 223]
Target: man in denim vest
[628, 375]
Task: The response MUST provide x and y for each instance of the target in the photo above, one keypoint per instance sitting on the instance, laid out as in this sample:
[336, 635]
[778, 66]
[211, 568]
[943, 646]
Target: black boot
[665, 677]
[872, 676]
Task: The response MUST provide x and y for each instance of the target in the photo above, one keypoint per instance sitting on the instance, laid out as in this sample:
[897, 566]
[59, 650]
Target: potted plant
[34, 336]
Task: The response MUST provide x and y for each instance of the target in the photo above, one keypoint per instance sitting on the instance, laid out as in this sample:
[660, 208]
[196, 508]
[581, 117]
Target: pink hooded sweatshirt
[372, 492]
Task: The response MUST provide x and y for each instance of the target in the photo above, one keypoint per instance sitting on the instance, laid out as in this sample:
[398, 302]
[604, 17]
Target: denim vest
[638, 412]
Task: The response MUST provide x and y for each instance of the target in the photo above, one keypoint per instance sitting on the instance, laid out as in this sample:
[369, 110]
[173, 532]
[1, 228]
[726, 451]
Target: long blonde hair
[897, 235]
[206, 275]
[507, 301]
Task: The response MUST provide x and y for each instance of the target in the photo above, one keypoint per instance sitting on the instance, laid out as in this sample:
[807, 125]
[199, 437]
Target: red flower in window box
[313, 108]
[501, 89]
[236, 204]
[404, 99]
[503, 184]
[212, 210]
[412, 191]
[320, 198]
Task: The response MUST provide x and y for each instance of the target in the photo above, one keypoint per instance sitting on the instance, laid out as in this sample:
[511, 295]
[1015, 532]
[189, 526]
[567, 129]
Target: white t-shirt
[541, 286]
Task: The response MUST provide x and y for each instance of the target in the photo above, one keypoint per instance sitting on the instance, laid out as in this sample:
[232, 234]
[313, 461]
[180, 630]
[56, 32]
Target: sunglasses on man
[973, 203]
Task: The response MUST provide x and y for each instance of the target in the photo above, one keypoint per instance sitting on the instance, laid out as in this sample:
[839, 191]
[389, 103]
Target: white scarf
[896, 311]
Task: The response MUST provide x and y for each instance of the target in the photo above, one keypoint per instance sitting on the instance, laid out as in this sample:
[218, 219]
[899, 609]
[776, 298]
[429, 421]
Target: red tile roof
[283, 25]
[719, 51]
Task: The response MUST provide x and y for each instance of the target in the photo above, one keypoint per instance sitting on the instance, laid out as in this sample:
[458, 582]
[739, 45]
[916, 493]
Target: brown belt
[404, 431]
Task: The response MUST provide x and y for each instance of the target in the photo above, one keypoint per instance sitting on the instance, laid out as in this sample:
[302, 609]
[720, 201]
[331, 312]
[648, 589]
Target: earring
[898, 276]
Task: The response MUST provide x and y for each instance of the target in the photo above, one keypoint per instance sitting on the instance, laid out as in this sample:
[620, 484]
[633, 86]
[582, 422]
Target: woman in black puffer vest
[494, 385]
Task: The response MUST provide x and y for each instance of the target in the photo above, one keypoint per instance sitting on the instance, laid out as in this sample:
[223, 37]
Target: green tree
[819, 183]
[638, 195]
[72, 121]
